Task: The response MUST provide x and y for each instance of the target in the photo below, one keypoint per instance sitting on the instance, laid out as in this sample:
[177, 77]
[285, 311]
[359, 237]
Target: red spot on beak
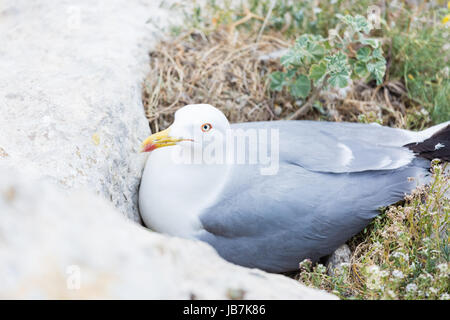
[149, 147]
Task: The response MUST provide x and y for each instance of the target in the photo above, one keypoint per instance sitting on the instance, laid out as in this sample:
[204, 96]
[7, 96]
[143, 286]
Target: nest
[230, 71]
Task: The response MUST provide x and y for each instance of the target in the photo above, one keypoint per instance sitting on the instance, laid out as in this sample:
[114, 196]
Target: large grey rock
[71, 121]
[70, 91]
[59, 246]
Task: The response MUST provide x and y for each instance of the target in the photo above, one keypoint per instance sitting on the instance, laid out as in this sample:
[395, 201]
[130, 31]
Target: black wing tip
[435, 147]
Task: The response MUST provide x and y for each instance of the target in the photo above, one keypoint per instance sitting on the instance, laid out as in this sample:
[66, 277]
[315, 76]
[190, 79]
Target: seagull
[311, 186]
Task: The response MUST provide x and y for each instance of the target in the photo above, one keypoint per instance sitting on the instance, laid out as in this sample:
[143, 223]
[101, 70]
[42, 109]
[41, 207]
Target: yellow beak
[159, 140]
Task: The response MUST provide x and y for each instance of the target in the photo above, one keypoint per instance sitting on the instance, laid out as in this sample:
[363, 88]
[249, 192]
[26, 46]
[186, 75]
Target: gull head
[173, 192]
[193, 124]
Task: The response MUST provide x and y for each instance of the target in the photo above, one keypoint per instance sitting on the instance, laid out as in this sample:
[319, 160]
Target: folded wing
[331, 182]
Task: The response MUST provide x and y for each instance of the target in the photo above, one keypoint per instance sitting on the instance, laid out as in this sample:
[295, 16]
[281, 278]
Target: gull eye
[206, 127]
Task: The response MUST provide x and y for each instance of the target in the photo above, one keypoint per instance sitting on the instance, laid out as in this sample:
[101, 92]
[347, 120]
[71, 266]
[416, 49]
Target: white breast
[172, 195]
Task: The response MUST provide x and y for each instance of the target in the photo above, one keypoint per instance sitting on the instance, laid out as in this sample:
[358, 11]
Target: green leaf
[377, 54]
[337, 63]
[338, 69]
[277, 81]
[299, 16]
[307, 48]
[302, 40]
[317, 71]
[315, 50]
[291, 57]
[377, 70]
[363, 54]
[290, 73]
[361, 69]
[374, 43]
[357, 23]
[362, 24]
[347, 19]
[339, 80]
[301, 86]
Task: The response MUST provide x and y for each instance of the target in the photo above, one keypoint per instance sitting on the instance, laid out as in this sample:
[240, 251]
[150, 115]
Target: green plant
[404, 253]
[419, 56]
[315, 63]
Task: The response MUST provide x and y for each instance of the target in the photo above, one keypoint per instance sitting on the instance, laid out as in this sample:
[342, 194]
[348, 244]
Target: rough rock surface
[54, 245]
[71, 120]
[70, 91]
[338, 259]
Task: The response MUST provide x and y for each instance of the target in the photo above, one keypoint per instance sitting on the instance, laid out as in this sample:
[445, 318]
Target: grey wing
[274, 222]
[339, 147]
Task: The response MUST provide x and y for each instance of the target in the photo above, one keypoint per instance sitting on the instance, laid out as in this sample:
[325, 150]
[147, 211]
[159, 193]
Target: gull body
[331, 180]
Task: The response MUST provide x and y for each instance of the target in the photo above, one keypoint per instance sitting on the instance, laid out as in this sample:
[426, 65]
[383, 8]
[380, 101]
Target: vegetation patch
[403, 254]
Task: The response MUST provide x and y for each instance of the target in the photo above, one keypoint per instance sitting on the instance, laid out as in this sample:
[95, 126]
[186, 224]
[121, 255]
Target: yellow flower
[410, 76]
[446, 19]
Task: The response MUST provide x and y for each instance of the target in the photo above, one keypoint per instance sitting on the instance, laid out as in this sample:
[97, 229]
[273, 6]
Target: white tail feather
[425, 134]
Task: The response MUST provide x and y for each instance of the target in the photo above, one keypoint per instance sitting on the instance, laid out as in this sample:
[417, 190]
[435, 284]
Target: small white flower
[373, 269]
[384, 274]
[443, 268]
[433, 290]
[398, 254]
[425, 276]
[398, 274]
[373, 280]
[445, 296]
[446, 72]
[392, 294]
[321, 268]
[412, 287]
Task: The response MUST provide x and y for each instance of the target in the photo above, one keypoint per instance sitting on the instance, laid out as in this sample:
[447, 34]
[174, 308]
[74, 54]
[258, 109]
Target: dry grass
[226, 70]
[218, 69]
